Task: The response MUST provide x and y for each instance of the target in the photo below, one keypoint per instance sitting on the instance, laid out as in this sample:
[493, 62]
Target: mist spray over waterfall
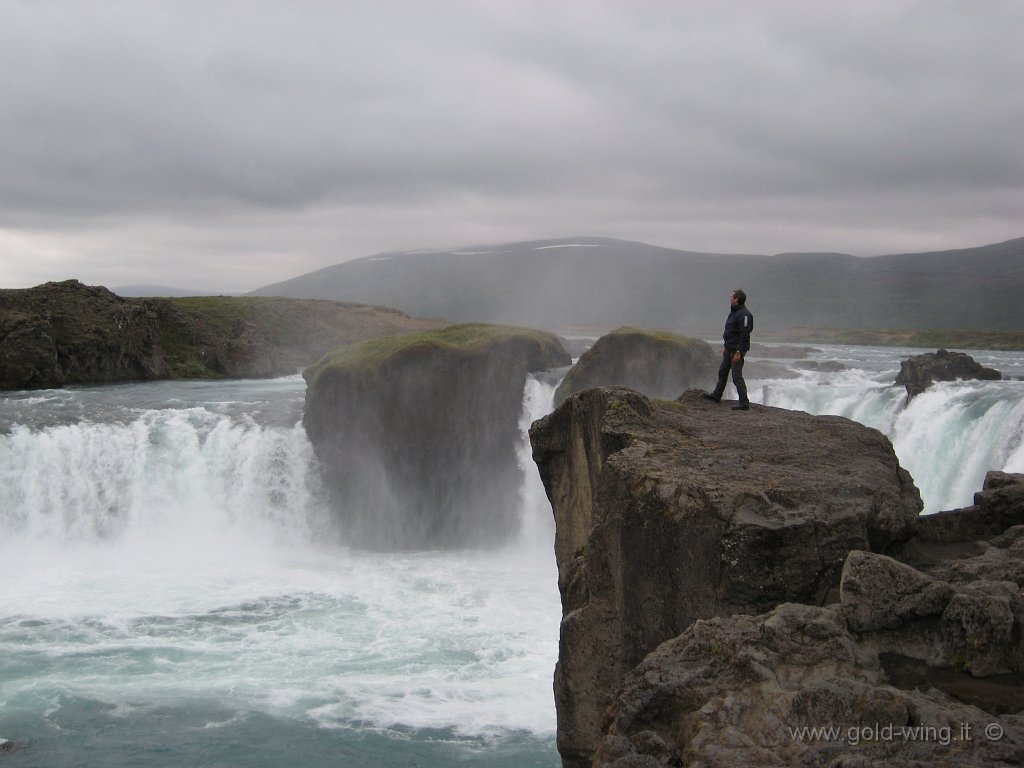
[174, 583]
[175, 474]
[538, 527]
[172, 576]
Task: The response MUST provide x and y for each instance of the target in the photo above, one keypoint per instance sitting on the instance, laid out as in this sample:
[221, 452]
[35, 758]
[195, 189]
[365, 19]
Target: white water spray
[947, 438]
[174, 556]
[166, 475]
[537, 522]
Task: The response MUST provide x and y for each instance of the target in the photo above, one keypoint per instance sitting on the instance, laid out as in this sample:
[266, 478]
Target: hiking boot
[709, 396]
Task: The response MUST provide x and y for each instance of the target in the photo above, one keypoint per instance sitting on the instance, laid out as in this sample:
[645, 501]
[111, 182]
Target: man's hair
[741, 295]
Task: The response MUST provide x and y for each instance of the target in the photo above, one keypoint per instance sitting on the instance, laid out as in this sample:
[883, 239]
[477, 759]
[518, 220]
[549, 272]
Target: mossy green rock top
[657, 364]
[536, 350]
[417, 435]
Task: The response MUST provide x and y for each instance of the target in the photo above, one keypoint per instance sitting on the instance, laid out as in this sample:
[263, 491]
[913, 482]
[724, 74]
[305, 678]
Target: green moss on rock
[542, 349]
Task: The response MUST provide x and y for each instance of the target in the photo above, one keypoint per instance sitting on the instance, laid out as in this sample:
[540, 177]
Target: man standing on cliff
[736, 340]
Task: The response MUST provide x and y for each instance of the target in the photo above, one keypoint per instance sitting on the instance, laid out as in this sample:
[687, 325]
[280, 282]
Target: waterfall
[947, 438]
[537, 523]
[173, 474]
[169, 592]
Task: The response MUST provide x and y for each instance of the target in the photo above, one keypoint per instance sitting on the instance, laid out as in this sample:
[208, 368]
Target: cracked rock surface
[671, 512]
[908, 669]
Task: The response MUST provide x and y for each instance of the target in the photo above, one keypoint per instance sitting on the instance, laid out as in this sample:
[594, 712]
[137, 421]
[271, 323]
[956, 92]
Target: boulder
[796, 686]
[416, 435]
[912, 667]
[655, 363]
[919, 372]
[672, 512]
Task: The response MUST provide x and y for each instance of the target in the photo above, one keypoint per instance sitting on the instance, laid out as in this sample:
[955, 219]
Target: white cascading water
[167, 474]
[168, 556]
[538, 525]
[947, 438]
[166, 549]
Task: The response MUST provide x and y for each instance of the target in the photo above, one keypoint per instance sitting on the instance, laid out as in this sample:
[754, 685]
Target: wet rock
[921, 371]
[416, 435]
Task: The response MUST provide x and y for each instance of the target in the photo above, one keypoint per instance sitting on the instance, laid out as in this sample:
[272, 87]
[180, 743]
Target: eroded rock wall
[70, 333]
[417, 440]
[670, 513]
[914, 665]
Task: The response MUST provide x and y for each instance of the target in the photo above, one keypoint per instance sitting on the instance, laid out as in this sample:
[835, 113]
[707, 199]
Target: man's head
[738, 298]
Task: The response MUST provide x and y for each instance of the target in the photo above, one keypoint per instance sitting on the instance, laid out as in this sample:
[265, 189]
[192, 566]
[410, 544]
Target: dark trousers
[737, 376]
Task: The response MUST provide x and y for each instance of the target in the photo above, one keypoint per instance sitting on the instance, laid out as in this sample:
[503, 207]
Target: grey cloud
[189, 131]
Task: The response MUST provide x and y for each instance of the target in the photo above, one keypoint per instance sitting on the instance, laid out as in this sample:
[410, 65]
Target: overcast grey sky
[227, 144]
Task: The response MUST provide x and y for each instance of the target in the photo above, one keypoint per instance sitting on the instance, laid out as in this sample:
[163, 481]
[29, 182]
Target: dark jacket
[738, 326]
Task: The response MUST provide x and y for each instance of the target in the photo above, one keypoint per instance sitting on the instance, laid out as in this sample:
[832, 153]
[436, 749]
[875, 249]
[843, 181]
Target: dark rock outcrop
[921, 371]
[655, 363]
[416, 435]
[669, 513]
[69, 333]
[915, 665]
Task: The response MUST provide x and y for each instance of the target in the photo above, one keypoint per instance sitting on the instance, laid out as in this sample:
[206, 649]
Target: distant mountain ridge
[589, 281]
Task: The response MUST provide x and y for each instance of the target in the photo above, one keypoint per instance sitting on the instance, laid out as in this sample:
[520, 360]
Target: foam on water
[180, 559]
[170, 573]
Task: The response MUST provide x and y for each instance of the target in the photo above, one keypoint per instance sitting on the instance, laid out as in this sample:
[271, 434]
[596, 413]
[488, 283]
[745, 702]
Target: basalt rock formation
[667, 513]
[913, 666]
[416, 435]
[921, 371]
[655, 363]
[731, 581]
[69, 333]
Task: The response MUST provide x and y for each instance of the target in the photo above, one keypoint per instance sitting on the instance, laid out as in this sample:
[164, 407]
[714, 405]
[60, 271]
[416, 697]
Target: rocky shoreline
[66, 333]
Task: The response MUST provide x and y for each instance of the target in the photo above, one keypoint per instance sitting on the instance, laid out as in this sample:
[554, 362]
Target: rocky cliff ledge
[69, 333]
[685, 523]
[654, 363]
[416, 435]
